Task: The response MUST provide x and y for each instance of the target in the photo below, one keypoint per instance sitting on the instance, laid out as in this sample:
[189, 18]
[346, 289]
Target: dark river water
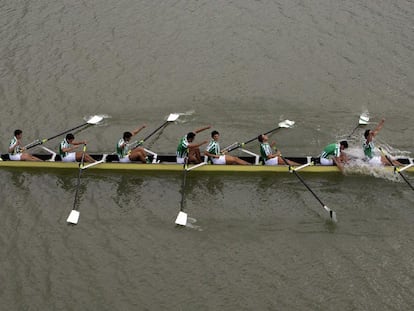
[257, 241]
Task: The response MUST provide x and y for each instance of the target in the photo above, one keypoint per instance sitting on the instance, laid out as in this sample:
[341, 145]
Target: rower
[67, 147]
[333, 153]
[270, 155]
[16, 149]
[126, 153]
[369, 148]
[188, 148]
[218, 157]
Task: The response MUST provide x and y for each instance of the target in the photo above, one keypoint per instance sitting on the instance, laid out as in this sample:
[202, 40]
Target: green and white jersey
[63, 145]
[122, 152]
[265, 150]
[368, 148]
[16, 149]
[182, 148]
[331, 150]
[213, 147]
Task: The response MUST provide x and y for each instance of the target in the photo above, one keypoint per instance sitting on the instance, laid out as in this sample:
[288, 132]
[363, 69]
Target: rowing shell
[166, 163]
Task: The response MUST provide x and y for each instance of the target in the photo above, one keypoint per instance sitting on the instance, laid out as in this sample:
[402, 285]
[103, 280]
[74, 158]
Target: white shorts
[375, 161]
[180, 160]
[325, 161]
[70, 157]
[125, 159]
[220, 161]
[272, 161]
[15, 157]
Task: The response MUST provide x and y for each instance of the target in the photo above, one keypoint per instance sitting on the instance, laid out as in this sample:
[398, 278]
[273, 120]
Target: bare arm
[211, 155]
[339, 164]
[83, 142]
[75, 146]
[138, 129]
[202, 129]
[197, 145]
[378, 127]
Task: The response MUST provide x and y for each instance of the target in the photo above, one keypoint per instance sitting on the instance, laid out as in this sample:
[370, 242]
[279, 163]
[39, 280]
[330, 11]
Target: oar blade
[332, 213]
[73, 217]
[286, 123]
[364, 118]
[181, 218]
[172, 117]
[333, 216]
[94, 120]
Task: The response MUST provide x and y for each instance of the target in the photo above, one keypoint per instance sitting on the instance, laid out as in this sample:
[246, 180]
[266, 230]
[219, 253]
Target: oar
[171, 118]
[74, 214]
[182, 216]
[283, 124]
[363, 120]
[91, 121]
[396, 168]
[332, 214]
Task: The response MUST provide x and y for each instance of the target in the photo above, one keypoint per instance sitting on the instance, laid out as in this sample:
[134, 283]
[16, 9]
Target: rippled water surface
[257, 242]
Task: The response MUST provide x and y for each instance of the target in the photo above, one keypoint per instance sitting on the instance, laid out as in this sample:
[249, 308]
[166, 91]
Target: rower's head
[127, 136]
[215, 135]
[343, 145]
[262, 138]
[70, 137]
[18, 133]
[190, 136]
[366, 133]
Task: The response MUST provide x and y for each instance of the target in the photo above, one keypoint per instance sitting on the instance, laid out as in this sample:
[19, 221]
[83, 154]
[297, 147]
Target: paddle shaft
[183, 184]
[310, 190]
[155, 131]
[79, 177]
[40, 142]
[396, 169]
[250, 140]
[353, 131]
[152, 133]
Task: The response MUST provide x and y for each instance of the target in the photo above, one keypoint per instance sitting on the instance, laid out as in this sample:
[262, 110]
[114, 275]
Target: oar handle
[83, 156]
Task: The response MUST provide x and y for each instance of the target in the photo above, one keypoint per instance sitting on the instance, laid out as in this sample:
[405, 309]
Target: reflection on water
[127, 190]
[241, 66]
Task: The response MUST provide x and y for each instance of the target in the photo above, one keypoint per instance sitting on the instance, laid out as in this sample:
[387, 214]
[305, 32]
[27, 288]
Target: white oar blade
[172, 117]
[286, 123]
[73, 217]
[364, 119]
[94, 120]
[331, 213]
[181, 219]
[333, 216]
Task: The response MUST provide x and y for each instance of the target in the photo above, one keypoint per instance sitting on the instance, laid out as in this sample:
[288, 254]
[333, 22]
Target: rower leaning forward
[187, 148]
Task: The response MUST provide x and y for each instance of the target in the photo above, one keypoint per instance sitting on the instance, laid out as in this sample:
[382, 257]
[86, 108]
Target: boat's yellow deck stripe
[176, 167]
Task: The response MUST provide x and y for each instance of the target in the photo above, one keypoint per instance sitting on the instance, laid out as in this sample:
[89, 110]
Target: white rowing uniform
[66, 156]
[16, 154]
[214, 148]
[123, 152]
[265, 151]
